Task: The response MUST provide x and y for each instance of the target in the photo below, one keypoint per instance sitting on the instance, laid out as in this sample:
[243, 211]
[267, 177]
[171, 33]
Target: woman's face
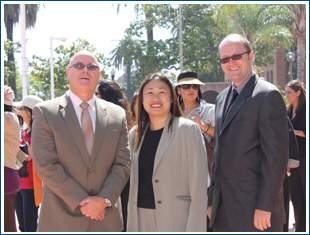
[157, 98]
[292, 95]
[26, 115]
[188, 92]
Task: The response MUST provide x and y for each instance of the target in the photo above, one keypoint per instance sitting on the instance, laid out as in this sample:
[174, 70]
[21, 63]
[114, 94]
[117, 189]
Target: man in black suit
[251, 151]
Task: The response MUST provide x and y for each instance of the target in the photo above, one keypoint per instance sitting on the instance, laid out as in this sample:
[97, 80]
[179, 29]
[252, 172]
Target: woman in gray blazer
[169, 165]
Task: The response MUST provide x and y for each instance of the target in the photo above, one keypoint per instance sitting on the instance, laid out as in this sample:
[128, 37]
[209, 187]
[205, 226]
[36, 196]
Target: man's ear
[252, 57]
[67, 72]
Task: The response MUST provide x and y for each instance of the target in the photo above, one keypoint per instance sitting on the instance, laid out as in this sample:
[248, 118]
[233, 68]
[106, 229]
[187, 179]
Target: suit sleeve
[119, 172]
[48, 165]
[274, 142]
[198, 180]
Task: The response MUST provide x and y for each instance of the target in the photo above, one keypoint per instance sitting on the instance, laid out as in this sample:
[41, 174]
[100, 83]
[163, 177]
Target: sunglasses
[233, 57]
[80, 66]
[188, 86]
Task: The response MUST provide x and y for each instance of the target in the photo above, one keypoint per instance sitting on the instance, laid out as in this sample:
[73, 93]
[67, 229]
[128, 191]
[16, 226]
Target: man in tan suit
[82, 154]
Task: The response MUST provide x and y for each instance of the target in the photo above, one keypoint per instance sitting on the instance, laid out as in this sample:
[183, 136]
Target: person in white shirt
[80, 145]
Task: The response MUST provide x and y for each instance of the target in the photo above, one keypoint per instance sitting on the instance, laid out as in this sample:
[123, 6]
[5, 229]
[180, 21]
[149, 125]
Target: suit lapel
[220, 109]
[101, 128]
[239, 102]
[67, 111]
[164, 142]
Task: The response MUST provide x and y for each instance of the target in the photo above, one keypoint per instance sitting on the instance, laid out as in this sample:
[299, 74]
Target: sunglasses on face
[188, 86]
[233, 57]
[80, 66]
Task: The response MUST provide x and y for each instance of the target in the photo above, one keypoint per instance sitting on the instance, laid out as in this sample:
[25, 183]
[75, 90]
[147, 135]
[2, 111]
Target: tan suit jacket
[11, 140]
[69, 173]
[180, 176]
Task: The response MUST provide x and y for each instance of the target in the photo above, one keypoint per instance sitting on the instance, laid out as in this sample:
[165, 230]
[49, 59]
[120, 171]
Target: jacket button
[90, 170]
[159, 201]
[156, 181]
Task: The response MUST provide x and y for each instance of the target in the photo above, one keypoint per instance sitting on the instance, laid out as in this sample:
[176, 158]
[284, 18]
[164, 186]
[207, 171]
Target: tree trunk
[11, 59]
[300, 35]
[301, 59]
[149, 27]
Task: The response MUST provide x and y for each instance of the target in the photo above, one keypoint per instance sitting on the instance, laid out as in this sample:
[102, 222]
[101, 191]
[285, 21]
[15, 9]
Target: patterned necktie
[87, 127]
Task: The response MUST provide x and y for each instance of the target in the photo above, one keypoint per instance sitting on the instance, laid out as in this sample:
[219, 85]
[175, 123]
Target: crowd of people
[167, 161]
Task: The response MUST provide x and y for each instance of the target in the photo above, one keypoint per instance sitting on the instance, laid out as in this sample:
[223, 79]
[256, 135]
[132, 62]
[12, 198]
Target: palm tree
[147, 10]
[267, 27]
[125, 55]
[299, 12]
[11, 17]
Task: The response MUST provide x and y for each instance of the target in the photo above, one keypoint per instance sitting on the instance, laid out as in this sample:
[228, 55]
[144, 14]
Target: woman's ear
[178, 92]
[298, 92]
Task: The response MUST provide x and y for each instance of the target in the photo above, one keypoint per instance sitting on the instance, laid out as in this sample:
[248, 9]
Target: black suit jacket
[251, 154]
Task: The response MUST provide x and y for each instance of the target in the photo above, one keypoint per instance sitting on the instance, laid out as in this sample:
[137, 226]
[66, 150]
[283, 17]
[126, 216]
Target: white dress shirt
[76, 101]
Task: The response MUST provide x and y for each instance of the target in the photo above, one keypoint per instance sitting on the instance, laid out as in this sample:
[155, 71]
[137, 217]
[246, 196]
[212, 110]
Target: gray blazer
[251, 155]
[180, 178]
[69, 173]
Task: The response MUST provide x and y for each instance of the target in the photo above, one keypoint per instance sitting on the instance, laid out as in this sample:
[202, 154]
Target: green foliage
[267, 27]
[9, 47]
[10, 69]
[140, 53]
[11, 17]
[40, 72]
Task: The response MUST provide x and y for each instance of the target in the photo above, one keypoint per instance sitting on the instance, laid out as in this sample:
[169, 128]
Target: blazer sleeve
[119, 172]
[274, 142]
[198, 180]
[293, 145]
[49, 168]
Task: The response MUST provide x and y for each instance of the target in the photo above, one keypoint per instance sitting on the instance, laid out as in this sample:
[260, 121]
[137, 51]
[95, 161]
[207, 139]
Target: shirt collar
[240, 88]
[76, 101]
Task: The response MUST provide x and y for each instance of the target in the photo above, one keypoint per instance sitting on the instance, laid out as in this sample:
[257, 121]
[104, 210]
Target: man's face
[83, 81]
[239, 69]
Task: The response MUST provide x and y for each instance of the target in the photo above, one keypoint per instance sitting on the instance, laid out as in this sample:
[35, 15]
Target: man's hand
[94, 207]
[209, 212]
[262, 219]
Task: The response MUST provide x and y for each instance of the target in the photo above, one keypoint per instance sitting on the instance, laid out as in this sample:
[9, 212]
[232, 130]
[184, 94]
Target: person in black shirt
[296, 97]
[169, 173]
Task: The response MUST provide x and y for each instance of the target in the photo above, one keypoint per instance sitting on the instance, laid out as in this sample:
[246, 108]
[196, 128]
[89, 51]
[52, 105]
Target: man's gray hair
[87, 53]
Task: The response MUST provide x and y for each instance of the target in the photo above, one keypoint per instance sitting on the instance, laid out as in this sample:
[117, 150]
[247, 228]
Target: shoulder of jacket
[182, 122]
[265, 85]
[11, 118]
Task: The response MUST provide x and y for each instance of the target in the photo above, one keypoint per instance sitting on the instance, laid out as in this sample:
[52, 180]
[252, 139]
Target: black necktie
[232, 98]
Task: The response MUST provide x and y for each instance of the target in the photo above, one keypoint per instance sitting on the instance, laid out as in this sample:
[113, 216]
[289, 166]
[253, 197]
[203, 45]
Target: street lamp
[52, 63]
[290, 57]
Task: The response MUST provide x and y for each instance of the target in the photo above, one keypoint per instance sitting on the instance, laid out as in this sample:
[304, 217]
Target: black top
[299, 123]
[146, 164]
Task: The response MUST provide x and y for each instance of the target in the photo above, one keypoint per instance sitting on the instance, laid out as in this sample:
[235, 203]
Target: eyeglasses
[233, 57]
[188, 86]
[80, 66]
